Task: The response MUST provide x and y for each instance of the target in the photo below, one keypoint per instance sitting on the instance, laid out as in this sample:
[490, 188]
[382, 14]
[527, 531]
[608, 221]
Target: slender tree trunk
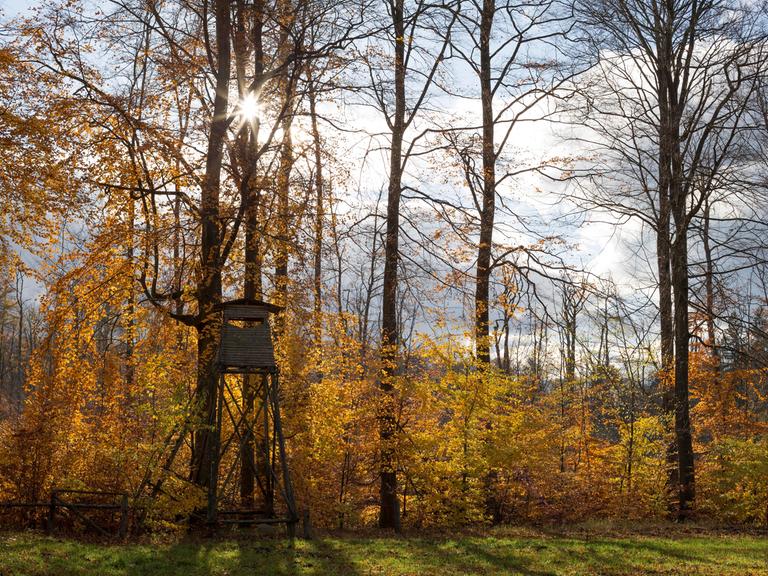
[709, 286]
[485, 246]
[389, 511]
[505, 364]
[570, 316]
[5, 387]
[284, 232]
[482, 288]
[317, 280]
[19, 390]
[284, 212]
[130, 327]
[666, 381]
[631, 445]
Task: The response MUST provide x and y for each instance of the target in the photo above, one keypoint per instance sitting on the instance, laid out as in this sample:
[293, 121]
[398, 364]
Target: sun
[249, 108]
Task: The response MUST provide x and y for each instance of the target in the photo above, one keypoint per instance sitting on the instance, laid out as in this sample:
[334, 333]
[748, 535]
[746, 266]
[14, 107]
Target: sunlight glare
[249, 107]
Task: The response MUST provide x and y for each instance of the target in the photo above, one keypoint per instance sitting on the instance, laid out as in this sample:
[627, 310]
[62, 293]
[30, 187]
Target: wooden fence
[75, 504]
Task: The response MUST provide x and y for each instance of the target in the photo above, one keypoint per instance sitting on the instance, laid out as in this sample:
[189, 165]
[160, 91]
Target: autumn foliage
[108, 204]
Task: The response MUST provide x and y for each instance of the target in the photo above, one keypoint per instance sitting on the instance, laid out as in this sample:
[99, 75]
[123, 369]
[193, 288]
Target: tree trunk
[209, 286]
[678, 203]
[252, 281]
[389, 511]
[317, 281]
[19, 389]
[709, 286]
[682, 417]
[283, 231]
[482, 287]
[663, 258]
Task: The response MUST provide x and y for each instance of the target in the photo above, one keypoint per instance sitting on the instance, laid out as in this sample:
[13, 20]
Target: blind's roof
[240, 303]
[245, 312]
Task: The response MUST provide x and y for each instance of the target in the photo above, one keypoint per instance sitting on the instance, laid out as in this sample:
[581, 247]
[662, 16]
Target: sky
[599, 246]
[14, 7]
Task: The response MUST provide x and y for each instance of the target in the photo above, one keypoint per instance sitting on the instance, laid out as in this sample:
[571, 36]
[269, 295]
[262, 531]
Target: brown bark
[283, 221]
[317, 249]
[19, 390]
[663, 260]
[283, 230]
[485, 247]
[209, 284]
[389, 511]
[685, 471]
[683, 438]
[709, 285]
[252, 281]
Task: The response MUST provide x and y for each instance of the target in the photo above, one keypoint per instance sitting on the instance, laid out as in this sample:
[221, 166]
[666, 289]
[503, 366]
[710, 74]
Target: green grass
[524, 552]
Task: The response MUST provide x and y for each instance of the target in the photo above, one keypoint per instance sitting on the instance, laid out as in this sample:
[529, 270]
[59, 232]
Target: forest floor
[571, 551]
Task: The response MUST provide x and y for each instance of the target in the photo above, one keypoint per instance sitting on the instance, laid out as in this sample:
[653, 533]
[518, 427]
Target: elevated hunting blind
[246, 340]
[250, 468]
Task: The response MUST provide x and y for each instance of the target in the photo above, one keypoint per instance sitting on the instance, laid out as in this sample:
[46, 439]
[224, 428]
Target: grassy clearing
[528, 552]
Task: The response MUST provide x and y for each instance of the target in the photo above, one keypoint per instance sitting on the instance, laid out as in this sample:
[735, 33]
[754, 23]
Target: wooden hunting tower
[246, 340]
[248, 457]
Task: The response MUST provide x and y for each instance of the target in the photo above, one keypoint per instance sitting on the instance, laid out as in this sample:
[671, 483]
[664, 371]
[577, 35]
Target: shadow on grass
[641, 554]
[436, 556]
[32, 555]
[511, 563]
[40, 556]
[246, 556]
[285, 558]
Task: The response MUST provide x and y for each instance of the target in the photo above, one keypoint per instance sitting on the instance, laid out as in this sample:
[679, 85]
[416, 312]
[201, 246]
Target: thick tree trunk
[252, 290]
[209, 285]
[666, 381]
[252, 281]
[664, 263]
[683, 438]
[678, 203]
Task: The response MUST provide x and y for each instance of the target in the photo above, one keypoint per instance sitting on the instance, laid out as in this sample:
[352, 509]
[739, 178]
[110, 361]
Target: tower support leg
[290, 499]
[214, 446]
